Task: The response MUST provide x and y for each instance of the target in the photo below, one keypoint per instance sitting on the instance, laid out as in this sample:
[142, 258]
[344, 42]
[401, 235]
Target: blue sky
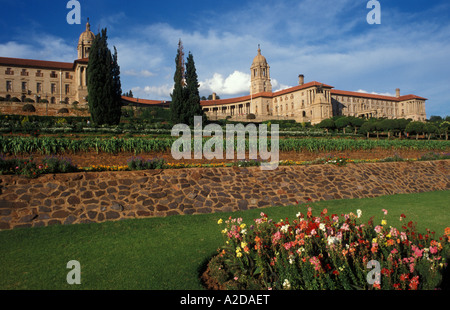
[328, 41]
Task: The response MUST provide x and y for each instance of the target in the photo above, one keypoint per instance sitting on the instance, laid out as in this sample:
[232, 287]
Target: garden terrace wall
[50, 109]
[102, 196]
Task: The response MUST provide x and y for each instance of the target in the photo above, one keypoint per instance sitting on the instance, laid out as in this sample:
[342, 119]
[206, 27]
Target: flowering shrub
[327, 252]
[334, 160]
[33, 169]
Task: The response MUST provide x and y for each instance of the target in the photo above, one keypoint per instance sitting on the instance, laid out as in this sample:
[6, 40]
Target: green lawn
[166, 253]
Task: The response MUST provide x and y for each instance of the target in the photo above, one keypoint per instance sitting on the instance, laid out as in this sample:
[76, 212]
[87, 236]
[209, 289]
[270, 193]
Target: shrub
[32, 169]
[63, 111]
[251, 116]
[58, 165]
[328, 252]
[138, 163]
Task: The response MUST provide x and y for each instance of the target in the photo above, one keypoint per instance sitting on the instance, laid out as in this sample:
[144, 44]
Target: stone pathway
[103, 196]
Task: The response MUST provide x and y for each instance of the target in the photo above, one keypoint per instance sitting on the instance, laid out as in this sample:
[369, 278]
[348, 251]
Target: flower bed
[53, 164]
[327, 252]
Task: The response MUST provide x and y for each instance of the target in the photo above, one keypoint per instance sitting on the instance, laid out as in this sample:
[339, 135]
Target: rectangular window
[53, 74]
[24, 86]
[8, 71]
[38, 87]
[53, 88]
[9, 86]
[67, 89]
[24, 72]
[39, 73]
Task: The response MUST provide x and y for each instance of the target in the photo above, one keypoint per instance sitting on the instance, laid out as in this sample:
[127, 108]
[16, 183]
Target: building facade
[27, 80]
[308, 102]
[58, 84]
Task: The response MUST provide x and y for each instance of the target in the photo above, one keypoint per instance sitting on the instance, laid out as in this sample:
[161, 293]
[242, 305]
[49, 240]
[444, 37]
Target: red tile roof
[18, 62]
[262, 94]
[144, 101]
[299, 87]
[374, 96]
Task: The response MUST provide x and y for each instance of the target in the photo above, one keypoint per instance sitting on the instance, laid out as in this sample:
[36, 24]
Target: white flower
[291, 259]
[286, 284]
[322, 226]
[359, 213]
[285, 228]
[332, 240]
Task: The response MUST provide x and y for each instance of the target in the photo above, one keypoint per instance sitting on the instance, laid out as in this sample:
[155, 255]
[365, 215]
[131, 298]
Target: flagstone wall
[107, 196]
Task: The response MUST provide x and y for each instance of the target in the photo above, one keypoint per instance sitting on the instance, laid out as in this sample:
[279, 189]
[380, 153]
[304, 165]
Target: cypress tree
[185, 97]
[103, 83]
[178, 95]
[116, 102]
[193, 107]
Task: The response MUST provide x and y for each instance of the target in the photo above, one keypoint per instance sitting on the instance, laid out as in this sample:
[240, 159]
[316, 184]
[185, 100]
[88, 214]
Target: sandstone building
[309, 102]
[51, 85]
[50, 82]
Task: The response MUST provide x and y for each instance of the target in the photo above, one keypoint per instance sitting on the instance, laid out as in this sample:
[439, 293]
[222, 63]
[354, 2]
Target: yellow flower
[220, 221]
[383, 222]
[243, 244]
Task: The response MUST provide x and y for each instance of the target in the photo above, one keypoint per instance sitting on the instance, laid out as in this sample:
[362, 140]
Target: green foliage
[327, 124]
[138, 163]
[32, 169]
[328, 251]
[415, 128]
[55, 145]
[185, 97]
[104, 83]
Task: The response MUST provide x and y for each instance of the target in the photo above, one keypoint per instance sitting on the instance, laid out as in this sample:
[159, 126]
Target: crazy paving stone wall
[103, 196]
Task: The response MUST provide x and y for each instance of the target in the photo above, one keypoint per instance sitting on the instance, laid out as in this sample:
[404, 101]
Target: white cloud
[234, 84]
[161, 92]
[142, 73]
[374, 93]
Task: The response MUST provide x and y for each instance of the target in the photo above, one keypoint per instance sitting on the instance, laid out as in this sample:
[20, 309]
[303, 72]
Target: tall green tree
[178, 94]
[104, 85]
[185, 96]
[193, 107]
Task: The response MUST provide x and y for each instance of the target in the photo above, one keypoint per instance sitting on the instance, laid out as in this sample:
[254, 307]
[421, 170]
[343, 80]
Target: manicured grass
[167, 253]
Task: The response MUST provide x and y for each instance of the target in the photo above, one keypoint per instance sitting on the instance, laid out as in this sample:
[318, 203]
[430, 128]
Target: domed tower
[85, 42]
[260, 74]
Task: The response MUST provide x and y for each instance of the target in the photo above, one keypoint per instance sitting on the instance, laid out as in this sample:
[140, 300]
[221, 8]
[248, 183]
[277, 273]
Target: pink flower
[433, 250]
[384, 211]
[345, 226]
[417, 251]
[276, 236]
[394, 251]
[378, 228]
